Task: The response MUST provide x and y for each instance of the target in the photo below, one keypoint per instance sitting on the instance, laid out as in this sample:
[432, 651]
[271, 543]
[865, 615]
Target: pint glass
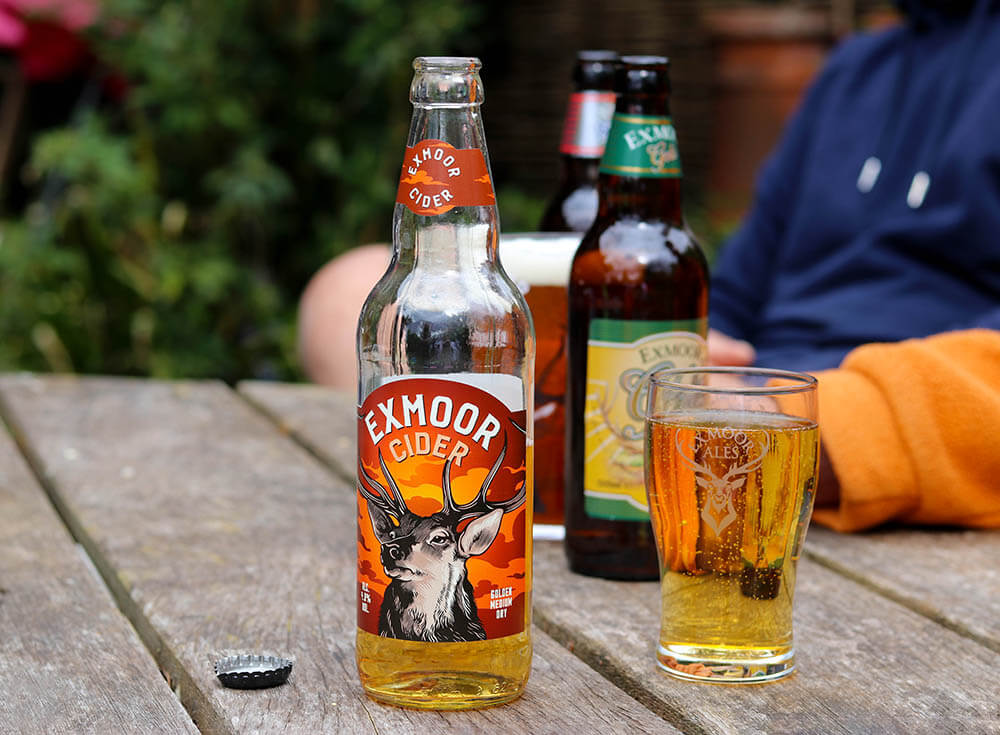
[539, 264]
[730, 462]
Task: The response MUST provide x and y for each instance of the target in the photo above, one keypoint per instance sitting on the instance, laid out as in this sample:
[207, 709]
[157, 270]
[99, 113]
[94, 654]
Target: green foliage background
[173, 233]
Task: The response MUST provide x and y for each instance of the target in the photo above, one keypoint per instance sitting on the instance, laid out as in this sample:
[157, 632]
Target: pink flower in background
[43, 35]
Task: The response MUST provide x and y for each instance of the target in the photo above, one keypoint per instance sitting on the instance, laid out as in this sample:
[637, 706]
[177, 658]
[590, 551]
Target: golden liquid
[549, 306]
[444, 676]
[451, 676]
[730, 497]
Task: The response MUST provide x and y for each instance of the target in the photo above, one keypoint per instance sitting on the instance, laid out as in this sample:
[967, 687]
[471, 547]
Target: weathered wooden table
[148, 528]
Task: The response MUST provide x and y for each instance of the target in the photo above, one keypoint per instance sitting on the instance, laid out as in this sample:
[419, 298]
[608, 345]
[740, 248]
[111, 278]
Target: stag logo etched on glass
[719, 445]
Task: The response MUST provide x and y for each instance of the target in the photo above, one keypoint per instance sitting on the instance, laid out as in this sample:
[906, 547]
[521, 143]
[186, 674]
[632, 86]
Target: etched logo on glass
[721, 480]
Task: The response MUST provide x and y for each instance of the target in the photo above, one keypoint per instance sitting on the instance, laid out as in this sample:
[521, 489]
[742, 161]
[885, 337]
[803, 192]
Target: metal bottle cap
[249, 671]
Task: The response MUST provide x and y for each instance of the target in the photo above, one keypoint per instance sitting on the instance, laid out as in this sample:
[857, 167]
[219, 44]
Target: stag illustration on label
[713, 447]
[442, 491]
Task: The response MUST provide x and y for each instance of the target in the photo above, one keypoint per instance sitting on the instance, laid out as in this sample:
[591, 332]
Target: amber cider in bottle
[570, 212]
[638, 300]
[444, 479]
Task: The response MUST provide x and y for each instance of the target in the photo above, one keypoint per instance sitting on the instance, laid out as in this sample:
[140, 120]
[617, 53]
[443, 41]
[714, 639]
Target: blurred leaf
[173, 233]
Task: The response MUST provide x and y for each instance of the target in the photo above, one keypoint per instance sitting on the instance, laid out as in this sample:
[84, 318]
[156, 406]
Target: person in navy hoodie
[877, 218]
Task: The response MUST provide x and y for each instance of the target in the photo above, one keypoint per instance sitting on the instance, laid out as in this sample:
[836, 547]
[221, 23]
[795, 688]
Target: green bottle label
[641, 145]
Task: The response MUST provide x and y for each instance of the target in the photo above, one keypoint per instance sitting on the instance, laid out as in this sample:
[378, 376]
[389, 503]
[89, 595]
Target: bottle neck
[446, 167]
[577, 170]
[450, 247]
[641, 198]
[460, 125]
[641, 138]
[585, 129]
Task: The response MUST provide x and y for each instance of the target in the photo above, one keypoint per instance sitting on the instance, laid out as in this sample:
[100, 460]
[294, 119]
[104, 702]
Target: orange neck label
[444, 500]
[437, 177]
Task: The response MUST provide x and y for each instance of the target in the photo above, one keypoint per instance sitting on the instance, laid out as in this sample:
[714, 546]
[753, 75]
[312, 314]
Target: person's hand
[724, 350]
[827, 484]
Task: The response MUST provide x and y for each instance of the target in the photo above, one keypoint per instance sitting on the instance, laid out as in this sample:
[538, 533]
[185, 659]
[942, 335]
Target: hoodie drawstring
[957, 81]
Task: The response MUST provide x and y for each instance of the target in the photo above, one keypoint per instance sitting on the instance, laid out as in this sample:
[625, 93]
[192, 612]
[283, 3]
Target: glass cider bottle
[585, 129]
[638, 300]
[446, 350]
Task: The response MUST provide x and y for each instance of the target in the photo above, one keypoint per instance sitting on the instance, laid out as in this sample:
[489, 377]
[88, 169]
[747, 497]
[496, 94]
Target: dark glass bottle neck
[646, 198]
[578, 170]
[643, 104]
[641, 198]
[581, 168]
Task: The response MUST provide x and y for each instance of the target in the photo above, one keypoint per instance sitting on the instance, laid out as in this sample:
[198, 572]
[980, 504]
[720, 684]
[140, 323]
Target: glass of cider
[731, 459]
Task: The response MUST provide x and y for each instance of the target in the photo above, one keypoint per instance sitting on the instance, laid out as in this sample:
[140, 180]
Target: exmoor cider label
[444, 497]
[437, 177]
[621, 355]
[641, 145]
[588, 120]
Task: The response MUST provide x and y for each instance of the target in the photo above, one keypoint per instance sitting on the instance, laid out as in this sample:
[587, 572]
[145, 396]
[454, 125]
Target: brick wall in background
[527, 93]
[737, 68]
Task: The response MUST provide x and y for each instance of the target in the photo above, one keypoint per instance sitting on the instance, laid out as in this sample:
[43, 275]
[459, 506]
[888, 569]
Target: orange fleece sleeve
[912, 431]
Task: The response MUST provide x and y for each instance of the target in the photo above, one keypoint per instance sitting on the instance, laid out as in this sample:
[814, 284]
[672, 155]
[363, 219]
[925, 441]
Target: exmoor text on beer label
[443, 500]
[437, 177]
[641, 145]
[621, 355]
[588, 119]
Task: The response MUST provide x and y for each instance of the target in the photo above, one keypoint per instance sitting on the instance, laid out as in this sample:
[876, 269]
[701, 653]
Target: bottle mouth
[597, 55]
[453, 64]
[643, 75]
[446, 80]
[645, 60]
[595, 69]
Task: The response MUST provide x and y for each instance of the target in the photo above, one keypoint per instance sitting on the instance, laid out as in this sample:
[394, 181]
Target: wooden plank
[308, 411]
[69, 661]
[863, 658]
[864, 661]
[219, 535]
[951, 576]
[956, 582]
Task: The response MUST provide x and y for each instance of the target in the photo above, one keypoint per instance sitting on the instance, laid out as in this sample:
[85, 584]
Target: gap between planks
[192, 699]
[618, 676]
[300, 441]
[621, 679]
[910, 603]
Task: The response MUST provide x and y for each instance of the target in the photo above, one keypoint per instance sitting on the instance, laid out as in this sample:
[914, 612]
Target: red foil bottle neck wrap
[587, 122]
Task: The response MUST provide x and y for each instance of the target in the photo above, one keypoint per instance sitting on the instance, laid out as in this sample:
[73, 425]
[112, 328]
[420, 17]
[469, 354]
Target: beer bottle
[585, 129]
[444, 485]
[546, 267]
[638, 298]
